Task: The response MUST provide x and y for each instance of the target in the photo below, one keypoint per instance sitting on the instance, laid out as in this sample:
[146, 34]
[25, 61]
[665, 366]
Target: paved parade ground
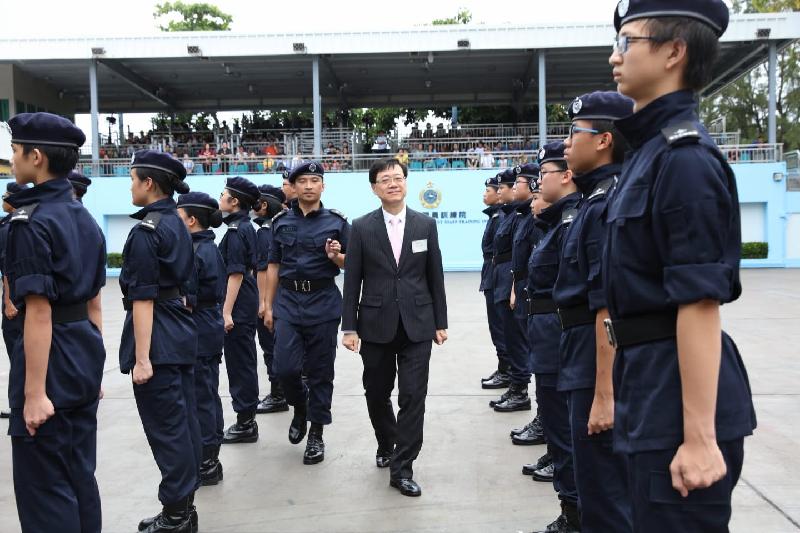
[468, 469]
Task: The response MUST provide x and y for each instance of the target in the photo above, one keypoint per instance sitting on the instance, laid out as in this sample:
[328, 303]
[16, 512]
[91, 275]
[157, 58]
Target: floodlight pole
[542, 100]
[772, 67]
[95, 115]
[121, 128]
[317, 103]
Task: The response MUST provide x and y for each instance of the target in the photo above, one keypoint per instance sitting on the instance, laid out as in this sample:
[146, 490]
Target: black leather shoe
[297, 429]
[406, 486]
[315, 450]
[491, 376]
[544, 474]
[535, 423]
[517, 400]
[499, 381]
[531, 437]
[244, 430]
[568, 521]
[148, 524]
[383, 458]
[5, 413]
[503, 397]
[530, 468]
[272, 404]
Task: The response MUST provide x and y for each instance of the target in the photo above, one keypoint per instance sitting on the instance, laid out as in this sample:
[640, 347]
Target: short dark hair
[60, 159]
[207, 218]
[702, 46]
[560, 164]
[162, 179]
[385, 164]
[245, 202]
[618, 143]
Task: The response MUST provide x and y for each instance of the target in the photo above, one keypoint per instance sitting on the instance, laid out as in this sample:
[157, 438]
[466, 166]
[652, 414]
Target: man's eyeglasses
[577, 129]
[386, 181]
[623, 42]
[543, 173]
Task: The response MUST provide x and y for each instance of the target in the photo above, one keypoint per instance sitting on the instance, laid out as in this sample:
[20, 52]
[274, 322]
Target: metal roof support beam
[317, 106]
[519, 91]
[94, 109]
[542, 99]
[337, 81]
[144, 86]
[772, 67]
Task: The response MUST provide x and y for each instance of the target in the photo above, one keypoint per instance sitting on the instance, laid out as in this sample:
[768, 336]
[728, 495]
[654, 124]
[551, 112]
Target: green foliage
[192, 17]
[114, 260]
[464, 16]
[755, 250]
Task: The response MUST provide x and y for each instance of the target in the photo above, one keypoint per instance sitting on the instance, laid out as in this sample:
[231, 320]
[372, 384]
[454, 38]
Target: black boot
[299, 426]
[498, 380]
[179, 517]
[274, 402]
[568, 521]
[210, 468]
[543, 461]
[244, 430]
[315, 447]
[536, 423]
[5, 413]
[517, 399]
[532, 435]
[503, 397]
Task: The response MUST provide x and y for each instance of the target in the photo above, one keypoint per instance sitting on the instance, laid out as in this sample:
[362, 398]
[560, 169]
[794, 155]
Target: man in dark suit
[394, 307]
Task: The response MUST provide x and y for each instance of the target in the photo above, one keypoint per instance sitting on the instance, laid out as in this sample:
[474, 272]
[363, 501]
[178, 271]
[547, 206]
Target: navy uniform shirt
[579, 280]
[299, 248]
[674, 237]
[4, 229]
[55, 249]
[264, 242]
[238, 249]
[157, 256]
[502, 248]
[207, 294]
[487, 247]
[526, 235]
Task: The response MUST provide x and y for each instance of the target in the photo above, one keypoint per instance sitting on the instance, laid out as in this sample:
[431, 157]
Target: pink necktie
[395, 237]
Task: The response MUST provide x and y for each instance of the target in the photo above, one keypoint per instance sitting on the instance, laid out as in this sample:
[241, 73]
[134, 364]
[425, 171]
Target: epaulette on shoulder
[338, 213]
[602, 188]
[681, 133]
[279, 215]
[234, 226]
[24, 213]
[496, 215]
[568, 216]
[267, 224]
[151, 221]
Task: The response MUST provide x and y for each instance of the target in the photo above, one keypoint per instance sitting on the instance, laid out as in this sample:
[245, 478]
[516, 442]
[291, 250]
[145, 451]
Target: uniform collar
[552, 214]
[205, 235]
[238, 215]
[588, 182]
[646, 123]
[54, 190]
[259, 221]
[165, 204]
[523, 207]
[491, 210]
[295, 207]
[508, 208]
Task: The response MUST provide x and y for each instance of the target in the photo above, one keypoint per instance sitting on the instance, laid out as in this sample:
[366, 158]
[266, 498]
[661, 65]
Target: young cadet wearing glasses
[594, 152]
[683, 402]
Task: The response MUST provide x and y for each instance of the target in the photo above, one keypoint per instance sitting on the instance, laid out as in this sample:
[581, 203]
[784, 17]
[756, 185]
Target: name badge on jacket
[419, 246]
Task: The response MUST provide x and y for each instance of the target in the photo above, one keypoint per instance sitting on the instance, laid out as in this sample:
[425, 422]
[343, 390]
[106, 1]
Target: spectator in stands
[330, 149]
[381, 145]
[271, 149]
[502, 158]
[188, 164]
[252, 162]
[428, 132]
[225, 155]
[418, 154]
[479, 149]
[415, 133]
[486, 159]
[296, 161]
[207, 155]
[440, 133]
[472, 158]
[241, 157]
[430, 153]
[402, 156]
[455, 153]
[346, 160]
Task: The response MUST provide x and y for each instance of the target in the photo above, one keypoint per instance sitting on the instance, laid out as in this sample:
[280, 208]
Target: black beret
[713, 13]
[45, 128]
[600, 105]
[553, 151]
[312, 167]
[244, 187]
[197, 199]
[12, 187]
[164, 162]
[507, 177]
[79, 181]
[528, 170]
[270, 191]
[492, 182]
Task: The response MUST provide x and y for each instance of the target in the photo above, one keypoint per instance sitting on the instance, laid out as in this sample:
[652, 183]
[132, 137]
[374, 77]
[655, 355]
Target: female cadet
[240, 311]
[159, 337]
[200, 212]
[683, 403]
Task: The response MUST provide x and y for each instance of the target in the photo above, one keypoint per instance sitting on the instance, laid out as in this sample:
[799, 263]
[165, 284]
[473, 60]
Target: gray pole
[773, 88]
[121, 128]
[317, 109]
[95, 116]
[542, 100]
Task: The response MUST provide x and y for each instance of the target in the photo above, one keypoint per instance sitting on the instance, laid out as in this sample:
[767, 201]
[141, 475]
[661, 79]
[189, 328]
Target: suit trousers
[410, 362]
[54, 478]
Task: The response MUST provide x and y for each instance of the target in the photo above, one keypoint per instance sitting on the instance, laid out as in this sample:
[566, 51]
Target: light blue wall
[459, 192]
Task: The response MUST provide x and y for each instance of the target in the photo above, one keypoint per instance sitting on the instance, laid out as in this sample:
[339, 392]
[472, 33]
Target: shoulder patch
[602, 188]
[338, 213]
[681, 132]
[24, 213]
[267, 224]
[234, 226]
[151, 221]
[279, 215]
[568, 216]
[496, 215]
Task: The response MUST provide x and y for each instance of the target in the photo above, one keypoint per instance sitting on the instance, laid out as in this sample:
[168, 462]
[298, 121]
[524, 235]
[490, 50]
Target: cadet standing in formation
[303, 304]
[55, 266]
[80, 184]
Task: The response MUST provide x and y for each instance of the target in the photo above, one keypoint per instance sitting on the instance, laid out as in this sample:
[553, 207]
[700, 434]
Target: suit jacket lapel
[408, 236]
[383, 237]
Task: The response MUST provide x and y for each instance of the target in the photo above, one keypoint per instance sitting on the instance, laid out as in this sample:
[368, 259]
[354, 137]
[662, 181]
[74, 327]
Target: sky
[57, 18]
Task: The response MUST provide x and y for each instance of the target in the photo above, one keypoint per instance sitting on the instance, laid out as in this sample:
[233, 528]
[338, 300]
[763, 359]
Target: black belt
[501, 258]
[206, 304]
[542, 306]
[640, 329]
[164, 294]
[487, 256]
[520, 274]
[62, 314]
[306, 285]
[579, 315]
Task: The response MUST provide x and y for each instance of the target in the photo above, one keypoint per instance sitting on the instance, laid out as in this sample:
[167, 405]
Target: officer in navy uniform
[55, 265]
[309, 244]
[594, 152]
[240, 311]
[526, 235]
[682, 399]
[80, 184]
[206, 295]
[516, 397]
[159, 336]
[544, 329]
[491, 198]
[11, 322]
[271, 203]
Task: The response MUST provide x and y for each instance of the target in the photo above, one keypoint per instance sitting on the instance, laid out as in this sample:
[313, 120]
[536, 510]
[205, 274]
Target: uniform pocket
[661, 491]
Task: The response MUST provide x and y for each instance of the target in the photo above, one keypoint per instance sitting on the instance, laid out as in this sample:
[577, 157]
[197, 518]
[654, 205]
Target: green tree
[464, 16]
[192, 17]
